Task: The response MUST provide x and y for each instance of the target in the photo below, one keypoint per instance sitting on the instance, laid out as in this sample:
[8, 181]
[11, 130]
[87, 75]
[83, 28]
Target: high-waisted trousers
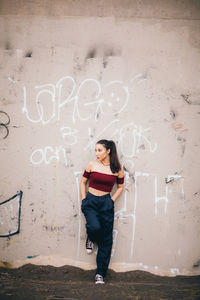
[99, 214]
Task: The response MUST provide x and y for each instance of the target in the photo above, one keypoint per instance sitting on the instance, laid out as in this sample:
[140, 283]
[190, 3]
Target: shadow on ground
[31, 282]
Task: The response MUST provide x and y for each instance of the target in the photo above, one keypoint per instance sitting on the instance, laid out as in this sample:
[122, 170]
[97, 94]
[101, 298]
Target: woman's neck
[105, 162]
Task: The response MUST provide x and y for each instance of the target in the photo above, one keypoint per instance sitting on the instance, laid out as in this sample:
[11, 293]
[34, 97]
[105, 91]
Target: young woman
[98, 205]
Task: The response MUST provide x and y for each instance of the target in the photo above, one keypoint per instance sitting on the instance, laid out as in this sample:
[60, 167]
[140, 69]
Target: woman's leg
[99, 214]
[93, 227]
[106, 217]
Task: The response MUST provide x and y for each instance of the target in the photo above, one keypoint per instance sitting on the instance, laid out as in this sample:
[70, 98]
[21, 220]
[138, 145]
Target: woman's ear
[108, 151]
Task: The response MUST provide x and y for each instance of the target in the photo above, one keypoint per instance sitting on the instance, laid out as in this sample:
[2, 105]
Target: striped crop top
[102, 182]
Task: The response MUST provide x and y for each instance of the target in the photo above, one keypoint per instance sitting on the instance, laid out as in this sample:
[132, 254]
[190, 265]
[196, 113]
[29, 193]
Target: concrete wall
[73, 72]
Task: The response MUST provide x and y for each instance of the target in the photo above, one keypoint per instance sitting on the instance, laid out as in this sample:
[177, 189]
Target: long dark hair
[114, 160]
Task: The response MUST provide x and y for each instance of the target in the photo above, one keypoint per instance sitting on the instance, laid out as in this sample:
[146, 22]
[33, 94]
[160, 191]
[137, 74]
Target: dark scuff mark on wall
[91, 53]
[197, 193]
[142, 146]
[7, 45]
[182, 140]
[108, 53]
[52, 51]
[172, 114]
[29, 54]
[52, 228]
[125, 169]
[169, 180]
[100, 76]
[105, 62]
[186, 98]
[192, 99]
[196, 264]
[183, 150]
[105, 54]
[97, 115]
[116, 115]
[130, 173]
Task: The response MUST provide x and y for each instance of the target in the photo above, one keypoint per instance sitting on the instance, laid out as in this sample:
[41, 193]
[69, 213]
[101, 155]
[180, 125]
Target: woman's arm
[118, 191]
[120, 186]
[84, 181]
[83, 187]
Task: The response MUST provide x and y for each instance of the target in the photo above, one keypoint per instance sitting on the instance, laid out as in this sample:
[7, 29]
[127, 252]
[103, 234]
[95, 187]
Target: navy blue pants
[99, 214]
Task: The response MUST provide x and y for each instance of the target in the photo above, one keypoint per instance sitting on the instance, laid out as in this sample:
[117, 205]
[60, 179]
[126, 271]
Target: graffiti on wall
[87, 100]
[69, 103]
[10, 212]
[4, 122]
[136, 135]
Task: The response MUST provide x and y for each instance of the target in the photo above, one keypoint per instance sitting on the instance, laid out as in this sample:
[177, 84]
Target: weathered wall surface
[73, 72]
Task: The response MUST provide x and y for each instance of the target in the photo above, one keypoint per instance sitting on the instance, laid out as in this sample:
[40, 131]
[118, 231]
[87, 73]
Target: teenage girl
[98, 205]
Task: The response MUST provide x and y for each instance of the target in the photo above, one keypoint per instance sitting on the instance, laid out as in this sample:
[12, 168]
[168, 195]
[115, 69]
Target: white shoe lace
[89, 244]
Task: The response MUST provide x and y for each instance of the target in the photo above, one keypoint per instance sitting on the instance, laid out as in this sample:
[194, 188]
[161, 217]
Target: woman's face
[101, 152]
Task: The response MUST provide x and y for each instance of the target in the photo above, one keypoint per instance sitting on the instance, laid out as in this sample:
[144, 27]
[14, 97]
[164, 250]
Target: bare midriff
[97, 192]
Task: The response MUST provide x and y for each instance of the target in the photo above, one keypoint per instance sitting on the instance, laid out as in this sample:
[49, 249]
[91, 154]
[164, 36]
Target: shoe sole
[89, 251]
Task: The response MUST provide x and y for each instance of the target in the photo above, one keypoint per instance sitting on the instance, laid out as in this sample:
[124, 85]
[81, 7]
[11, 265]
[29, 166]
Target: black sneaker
[99, 279]
[89, 245]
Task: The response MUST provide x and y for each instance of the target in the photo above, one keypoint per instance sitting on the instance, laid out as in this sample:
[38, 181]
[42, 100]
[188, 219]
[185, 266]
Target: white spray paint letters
[112, 98]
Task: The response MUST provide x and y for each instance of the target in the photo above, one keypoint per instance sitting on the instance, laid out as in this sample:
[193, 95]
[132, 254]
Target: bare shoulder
[89, 166]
